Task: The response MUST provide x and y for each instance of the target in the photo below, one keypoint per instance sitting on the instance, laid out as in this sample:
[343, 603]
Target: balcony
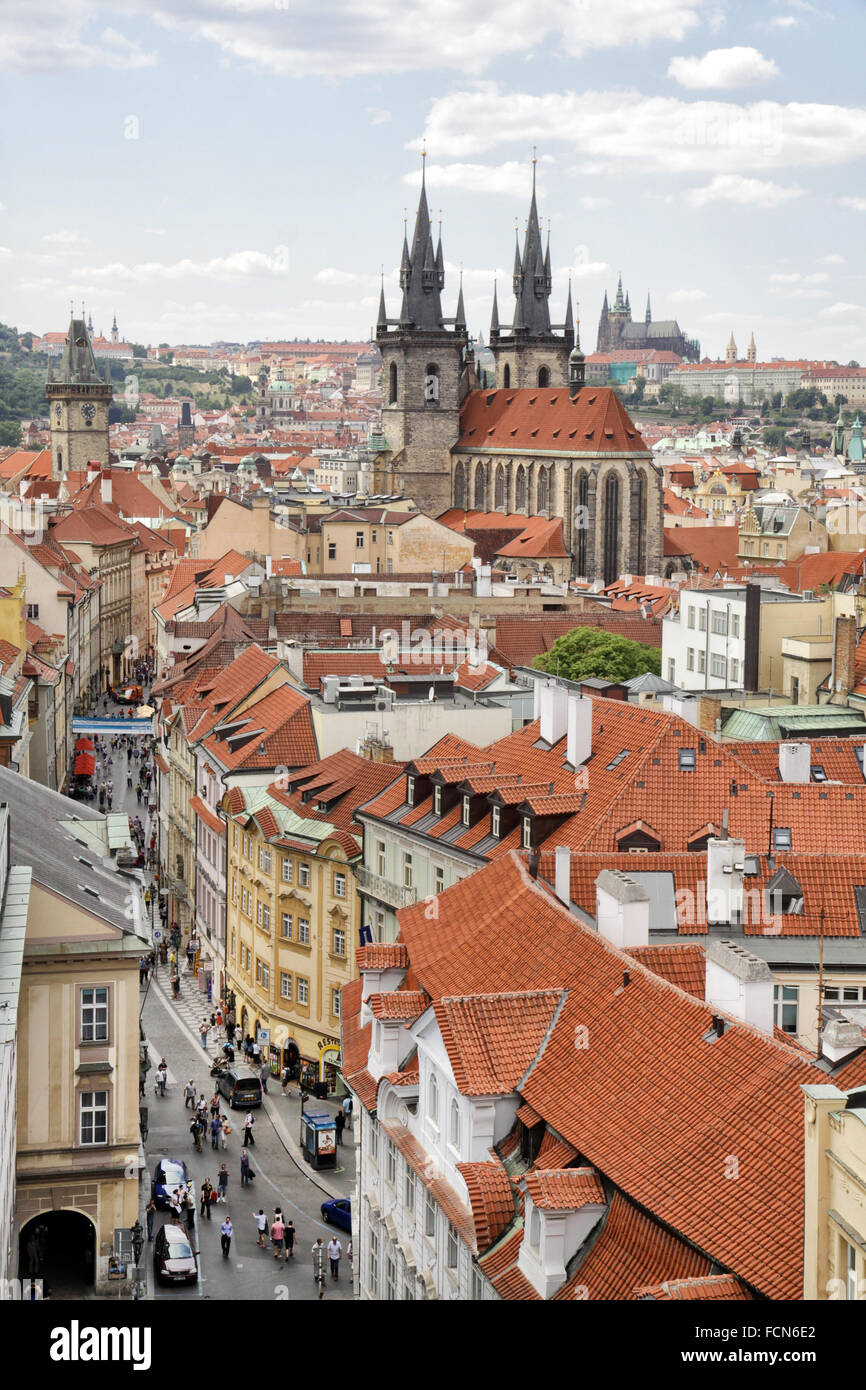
[383, 890]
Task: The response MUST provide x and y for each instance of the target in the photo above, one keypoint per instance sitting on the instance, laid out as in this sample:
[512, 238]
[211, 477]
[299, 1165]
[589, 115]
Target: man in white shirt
[335, 1250]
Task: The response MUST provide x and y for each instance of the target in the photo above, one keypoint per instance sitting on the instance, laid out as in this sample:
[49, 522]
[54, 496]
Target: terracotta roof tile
[631, 1251]
[715, 1287]
[382, 956]
[595, 421]
[564, 1189]
[404, 1004]
[491, 1197]
[491, 1039]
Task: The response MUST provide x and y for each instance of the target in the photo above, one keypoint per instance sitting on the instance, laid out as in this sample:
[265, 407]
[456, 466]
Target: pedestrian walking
[339, 1123]
[284, 1080]
[350, 1256]
[216, 1130]
[206, 1190]
[319, 1266]
[289, 1239]
[347, 1110]
[196, 1129]
[239, 1035]
[222, 1183]
[264, 1075]
[226, 1131]
[249, 1141]
[201, 1107]
[226, 1233]
[246, 1169]
[262, 1223]
[149, 1214]
[277, 1232]
[335, 1251]
[255, 1052]
[189, 1094]
[160, 1080]
[214, 1104]
[203, 1029]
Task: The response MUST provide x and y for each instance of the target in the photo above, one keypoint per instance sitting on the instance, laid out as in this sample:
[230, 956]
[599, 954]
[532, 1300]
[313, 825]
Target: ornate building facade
[616, 330]
[78, 401]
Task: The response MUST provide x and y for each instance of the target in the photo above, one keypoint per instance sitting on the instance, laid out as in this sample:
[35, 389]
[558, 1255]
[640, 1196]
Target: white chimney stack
[839, 1038]
[621, 910]
[554, 712]
[579, 731]
[740, 982]
[562, 874]
[105, 485]
[795, 762]
[93, 471]
[726, 866]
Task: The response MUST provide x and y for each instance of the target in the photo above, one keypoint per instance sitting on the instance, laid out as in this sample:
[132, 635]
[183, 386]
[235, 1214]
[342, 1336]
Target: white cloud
[722, 67]
[858, 204]
[56, 36]
[378, 115]
[5, 252]
[733, 188]
[155, 231]
[833, 259]
[511, 178]
[628, 130]
[841, 310]
[64, 237]
[686, 296]
[820, 277]
[590, 202]
[784, 21]
[238, 265]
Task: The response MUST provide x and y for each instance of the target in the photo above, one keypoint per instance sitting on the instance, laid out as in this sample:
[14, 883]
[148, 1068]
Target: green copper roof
[770, 723]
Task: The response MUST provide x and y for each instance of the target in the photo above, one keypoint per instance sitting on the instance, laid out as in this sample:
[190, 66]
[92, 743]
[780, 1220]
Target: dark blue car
[338, 1212]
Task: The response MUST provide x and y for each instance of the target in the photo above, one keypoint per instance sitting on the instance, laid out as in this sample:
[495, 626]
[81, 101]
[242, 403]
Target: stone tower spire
[648, 316]
[494, 316]
[78, 401]
[751, 350]
[731, 350]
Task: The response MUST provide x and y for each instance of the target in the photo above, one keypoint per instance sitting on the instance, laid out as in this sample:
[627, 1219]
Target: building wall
[74, 443]
[412, 727]
[420, 434]
[834, 1262]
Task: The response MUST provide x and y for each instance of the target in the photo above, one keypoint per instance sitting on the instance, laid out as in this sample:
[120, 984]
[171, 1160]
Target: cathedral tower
[78, 401]
[534, 352]
[425, 378]
[731, 350]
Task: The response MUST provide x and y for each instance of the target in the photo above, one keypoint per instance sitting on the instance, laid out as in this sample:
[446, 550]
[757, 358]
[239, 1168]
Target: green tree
[10, 433]
[774, 436]
[139, 350]
[591, 651]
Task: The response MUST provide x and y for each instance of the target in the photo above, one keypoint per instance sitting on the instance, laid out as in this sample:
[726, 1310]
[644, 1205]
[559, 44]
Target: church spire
[382, 320]
[532, 278]
[648, 316]
[422, 270]
[460, 317]
[494, 317]
[619, 302]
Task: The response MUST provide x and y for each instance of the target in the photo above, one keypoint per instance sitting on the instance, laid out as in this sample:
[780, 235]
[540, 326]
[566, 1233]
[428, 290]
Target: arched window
[433, 1100]
[506, 376]
[581, 522]
[480, 489]
[610, 568]
[59, 459]
[454, 1125]
[520, 490]
[392, 384]
[499, 503]
[640, 546]
[431, 384]
[459, 486]
[542, 492]
[544, 376]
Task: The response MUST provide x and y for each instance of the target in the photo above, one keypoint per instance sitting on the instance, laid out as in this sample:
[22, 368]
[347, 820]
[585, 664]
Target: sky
[239, 169]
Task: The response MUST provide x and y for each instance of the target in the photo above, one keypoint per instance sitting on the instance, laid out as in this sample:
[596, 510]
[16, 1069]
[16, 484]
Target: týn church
[540, 444]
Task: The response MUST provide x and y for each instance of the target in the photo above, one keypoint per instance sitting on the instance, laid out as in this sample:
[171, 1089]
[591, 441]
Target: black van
[241, 1087]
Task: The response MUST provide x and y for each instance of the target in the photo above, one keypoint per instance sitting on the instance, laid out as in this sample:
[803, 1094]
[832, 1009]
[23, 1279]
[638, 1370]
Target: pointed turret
[619, 302]
[460, 317]
[648, 316]
[78, 364]
[494, 316]
[752, 350]
[576, 359]
[532, 278]
[518, 267]
[421, 274]
[569, 312]
[382, 320]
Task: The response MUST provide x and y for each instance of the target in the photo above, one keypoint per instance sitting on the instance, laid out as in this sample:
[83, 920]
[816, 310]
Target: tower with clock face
[78, 402]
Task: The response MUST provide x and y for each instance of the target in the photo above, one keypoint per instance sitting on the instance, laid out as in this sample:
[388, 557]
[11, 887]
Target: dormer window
[527, 832]
[437, 800]
[410, 790]
[466, 810]
[781, 837]
[687, 759]
[495, 819]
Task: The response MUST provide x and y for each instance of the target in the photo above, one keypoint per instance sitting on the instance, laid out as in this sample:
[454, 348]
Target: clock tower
[78, 401]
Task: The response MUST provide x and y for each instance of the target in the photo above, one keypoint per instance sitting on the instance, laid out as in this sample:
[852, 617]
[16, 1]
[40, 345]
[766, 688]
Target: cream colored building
[104, 545]
[252, 528]
[78, 1143]
[834, 1255]
[375, 540]
[779, 533]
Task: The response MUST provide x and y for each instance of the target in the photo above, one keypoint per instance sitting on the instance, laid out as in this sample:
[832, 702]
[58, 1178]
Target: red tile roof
[491, 1197]
[528, 419]
[519, 640]
[712, 548]
[684, 966]
[565, 1189]
[491, 1040]
[631, 1251]
[715, 1287]
[406, 1004]
[382, 956]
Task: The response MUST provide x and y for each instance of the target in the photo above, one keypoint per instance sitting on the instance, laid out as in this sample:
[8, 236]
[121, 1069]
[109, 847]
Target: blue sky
[238, 169]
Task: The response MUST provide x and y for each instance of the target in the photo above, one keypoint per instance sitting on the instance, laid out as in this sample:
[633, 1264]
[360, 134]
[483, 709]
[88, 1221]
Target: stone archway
[59, 1247]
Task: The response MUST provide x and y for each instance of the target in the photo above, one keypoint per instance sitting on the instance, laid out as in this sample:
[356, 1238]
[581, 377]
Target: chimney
[621, 910]
[579, 730]
[93, 470]
[844, 647]
[709, 715]
[105, 486]
[740, 982]
[795, 762]
[725, 870]
[839, 1038]
[554, 711]
[562, 874]
[752, 637]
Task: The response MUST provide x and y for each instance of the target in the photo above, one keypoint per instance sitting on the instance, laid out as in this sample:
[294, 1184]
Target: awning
[84, 745]
[85, 765]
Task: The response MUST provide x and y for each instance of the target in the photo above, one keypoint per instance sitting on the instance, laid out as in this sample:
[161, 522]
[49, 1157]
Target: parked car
[168, 1174]
[338, 1212]
[174, 1260]
[241, 1087]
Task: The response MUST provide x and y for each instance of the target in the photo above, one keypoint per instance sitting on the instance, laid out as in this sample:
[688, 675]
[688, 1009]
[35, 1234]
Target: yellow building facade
[835, 1207]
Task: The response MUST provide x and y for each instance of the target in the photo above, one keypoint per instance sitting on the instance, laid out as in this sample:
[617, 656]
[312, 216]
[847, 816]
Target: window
[285, 985]
[527, 833]
[408, 881]
[266, 918]
[259, 911]
[304, 931]
[717, 666]
[33, 612]
[687, 759]
[359, 540]
[433, 1100]
[286, 926]
[303, 875]
[380, 858]
[702, 619]
[477, 1284]
[234, 945]
[735, 671]
[234, 837]
[303, 991]
[94, 1015]
[437, 800]
[702, 662]
[690, 659]
[339, 942]
[615, 762]
[430, 1217]
[335, 1002]
[266, 976]
[332, 550]
[390, 1278]
[265, 862]
[374, 1142]
[781, 837]
[819, 773]
[410, 790]
[373, 1265]
[409, 1190]
[451, 1248]
[495, 820]
[786, 1007]
[672, 670]
[454, 1125]
[735, 624]
[720, 622]
[339, 885]
[850, 1271]
[465, 815]
[258, 970]
[691, 616]
[390, 1163]
[94, 1117]
[286, 871]
[390, 537]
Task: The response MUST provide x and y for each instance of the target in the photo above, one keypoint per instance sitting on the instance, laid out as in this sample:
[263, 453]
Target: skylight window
[615, 762]
[781, 837]
[818, 773]
[687, 759]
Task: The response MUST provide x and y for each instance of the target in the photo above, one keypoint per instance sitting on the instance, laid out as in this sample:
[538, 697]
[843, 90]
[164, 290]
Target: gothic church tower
[78, 401]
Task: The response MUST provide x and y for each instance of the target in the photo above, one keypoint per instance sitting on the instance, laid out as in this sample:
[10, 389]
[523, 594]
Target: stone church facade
[542, 444]
[78, 402]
